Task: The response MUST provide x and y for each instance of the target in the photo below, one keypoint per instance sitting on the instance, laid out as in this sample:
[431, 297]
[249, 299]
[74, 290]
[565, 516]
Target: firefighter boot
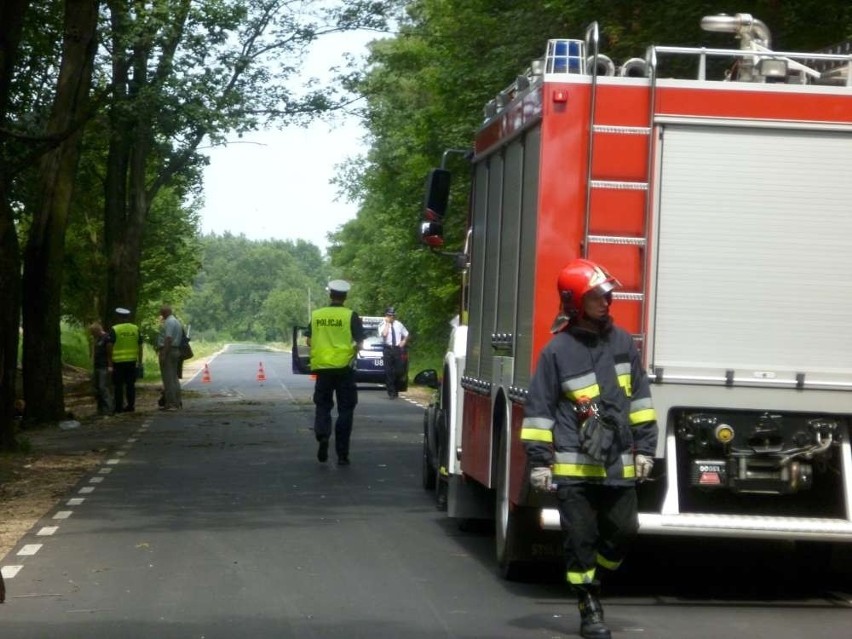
[591, 614]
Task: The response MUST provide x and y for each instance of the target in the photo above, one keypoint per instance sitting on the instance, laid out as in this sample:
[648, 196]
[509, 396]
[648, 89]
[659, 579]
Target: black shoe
[343, 460]
[322, 451]
[592, 621]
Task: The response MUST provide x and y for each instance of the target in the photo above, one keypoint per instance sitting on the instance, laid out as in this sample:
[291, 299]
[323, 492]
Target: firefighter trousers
[598, 524]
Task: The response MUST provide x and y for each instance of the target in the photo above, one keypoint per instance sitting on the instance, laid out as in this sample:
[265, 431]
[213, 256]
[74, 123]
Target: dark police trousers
[339, 382]
[597, 520]
[124, 380]
[393, 365]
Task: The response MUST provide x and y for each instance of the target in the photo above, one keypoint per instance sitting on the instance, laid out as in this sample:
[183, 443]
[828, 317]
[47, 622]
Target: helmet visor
[606, 287]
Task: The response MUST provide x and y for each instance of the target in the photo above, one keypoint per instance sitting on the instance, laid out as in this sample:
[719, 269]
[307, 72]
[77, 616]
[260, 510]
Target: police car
[369, 361]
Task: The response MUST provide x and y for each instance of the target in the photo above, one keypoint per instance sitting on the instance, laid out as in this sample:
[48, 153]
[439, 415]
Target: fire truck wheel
[442, 459]
[513, 527]
[429, 472]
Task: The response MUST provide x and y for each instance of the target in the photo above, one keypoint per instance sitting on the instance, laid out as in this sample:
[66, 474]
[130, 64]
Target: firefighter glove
[597, 438]
[541, 478]
[644, 466]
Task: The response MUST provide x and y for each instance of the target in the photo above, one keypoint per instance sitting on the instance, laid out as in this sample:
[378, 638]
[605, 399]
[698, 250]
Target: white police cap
[339, 286]
[122, 311]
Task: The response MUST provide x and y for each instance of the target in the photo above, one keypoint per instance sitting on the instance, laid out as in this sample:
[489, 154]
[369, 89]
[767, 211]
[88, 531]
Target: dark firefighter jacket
[580, 367]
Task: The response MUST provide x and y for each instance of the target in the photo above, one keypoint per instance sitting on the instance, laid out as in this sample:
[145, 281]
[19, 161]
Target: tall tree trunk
[45, 248]
[122, 231]
[11, 22]
[10, 310]
[123, 219]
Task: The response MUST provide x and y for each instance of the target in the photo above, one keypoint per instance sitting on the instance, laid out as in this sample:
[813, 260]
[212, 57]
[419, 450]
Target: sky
[275, 184]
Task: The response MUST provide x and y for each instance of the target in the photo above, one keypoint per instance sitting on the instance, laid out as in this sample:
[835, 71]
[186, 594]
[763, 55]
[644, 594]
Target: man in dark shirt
[100, 369]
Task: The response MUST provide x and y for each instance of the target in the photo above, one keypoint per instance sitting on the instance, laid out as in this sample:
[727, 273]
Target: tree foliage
[255, 290]
[168, 75]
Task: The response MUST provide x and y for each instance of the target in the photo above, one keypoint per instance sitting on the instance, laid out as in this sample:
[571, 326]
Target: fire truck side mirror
[434, 207]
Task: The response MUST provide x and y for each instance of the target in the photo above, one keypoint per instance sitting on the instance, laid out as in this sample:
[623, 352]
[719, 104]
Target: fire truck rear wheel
[512, 526]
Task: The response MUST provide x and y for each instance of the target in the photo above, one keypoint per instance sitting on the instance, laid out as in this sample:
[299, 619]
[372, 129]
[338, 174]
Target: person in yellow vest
[124, 357]
[335, 335]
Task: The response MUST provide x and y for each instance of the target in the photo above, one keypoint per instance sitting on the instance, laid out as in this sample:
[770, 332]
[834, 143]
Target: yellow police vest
[331, 338]
[126, 347]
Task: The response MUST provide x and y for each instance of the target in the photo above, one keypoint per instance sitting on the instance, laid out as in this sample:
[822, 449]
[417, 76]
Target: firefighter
[335, 336]
[590, 433]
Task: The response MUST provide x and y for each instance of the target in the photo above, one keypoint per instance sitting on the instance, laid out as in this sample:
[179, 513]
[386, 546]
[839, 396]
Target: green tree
[171, 73]
[183, 72]
[42, 353]
[255, 290]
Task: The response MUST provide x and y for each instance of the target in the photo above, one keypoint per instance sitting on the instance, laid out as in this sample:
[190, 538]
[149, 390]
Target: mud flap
[528, 552]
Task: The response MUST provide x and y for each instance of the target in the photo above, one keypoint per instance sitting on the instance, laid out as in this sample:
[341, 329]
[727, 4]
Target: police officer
[590, 433]
[394, 337]
[124, 357]
[335, 335]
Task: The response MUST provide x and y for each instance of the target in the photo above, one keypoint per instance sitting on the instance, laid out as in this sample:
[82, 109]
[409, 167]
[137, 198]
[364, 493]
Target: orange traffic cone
[261, 376]
[205, 375]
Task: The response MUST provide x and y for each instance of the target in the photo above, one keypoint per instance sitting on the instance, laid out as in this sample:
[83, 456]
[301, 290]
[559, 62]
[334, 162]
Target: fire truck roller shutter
[742, 245]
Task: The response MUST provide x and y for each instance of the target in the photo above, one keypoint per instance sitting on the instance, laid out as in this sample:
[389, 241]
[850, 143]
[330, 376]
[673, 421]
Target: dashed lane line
[10, 571]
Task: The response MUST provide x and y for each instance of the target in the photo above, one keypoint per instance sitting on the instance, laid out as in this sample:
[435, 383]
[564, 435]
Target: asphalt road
[218, 522]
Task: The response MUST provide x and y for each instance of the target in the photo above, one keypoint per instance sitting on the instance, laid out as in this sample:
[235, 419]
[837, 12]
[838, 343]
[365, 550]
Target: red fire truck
[709, 181]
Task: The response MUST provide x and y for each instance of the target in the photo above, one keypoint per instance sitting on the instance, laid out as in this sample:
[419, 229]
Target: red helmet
[578, 278]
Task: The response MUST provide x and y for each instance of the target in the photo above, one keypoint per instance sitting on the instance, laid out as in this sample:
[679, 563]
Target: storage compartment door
[753, 257]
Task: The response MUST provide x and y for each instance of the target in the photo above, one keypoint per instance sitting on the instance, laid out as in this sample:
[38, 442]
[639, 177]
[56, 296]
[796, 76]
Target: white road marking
[105, 471]
[9, 572]
[75, 501]
[96, 480]
[287, 390]
[29, 550]
[112, 462]
[63, 514]
[85, 490]
[46, 531]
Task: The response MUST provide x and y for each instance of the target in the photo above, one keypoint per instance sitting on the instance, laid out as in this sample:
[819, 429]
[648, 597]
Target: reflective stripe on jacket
[126, 346]
[332, 342]
[577, 369]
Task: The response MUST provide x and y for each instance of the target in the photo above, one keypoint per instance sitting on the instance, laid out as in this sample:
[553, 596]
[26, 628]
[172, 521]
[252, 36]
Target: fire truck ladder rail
[621, 130]
[629, 297]
[616, 239]
[610, 186]
[625, 185]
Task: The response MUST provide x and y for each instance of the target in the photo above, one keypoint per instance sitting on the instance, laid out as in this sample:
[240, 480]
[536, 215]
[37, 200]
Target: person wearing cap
[335, 335]
[590, 433]
[124, 356]
[394, 337]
